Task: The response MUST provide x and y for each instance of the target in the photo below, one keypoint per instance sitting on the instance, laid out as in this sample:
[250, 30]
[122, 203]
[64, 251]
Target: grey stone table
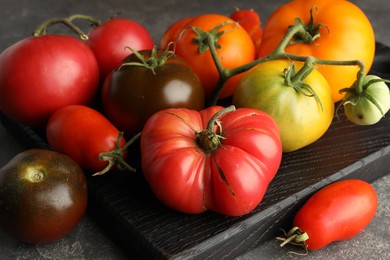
[88, 241]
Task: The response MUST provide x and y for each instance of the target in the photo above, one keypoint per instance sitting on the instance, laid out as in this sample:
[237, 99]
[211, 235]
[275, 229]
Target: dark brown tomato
[43, 196]
[131, 94]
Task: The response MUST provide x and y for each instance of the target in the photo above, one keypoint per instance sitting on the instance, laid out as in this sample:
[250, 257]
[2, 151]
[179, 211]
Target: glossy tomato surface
[302, 119]
[190, 171]
[339, 211]
[38, 75]
[109, 42]
[345, 34]
[133, 93]
[83, 133]
[250, 20]
[236, 48]
[43, 196]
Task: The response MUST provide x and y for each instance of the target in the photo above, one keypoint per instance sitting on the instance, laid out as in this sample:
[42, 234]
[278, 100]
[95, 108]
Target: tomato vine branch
[68, 21]
[279, 53]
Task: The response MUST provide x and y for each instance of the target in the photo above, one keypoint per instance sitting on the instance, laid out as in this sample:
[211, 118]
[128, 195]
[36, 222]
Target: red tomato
[250, 20]
[83, 133]
[236, 48]
[109, 40]
[38, 75]
[225, 165]
[339, 211]
[43, 196]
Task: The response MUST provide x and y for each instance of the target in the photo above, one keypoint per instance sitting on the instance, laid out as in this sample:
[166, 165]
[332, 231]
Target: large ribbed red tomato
[219, 160]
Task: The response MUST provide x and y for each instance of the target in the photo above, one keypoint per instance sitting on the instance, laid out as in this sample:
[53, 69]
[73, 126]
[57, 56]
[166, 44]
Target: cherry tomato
[40, 74]
[250, 20]
[109, 40]
[83, 134]
[337, 212]
[43, 196]
[345, 34]
[219, 160]
[302, 118]
[131, 94]
[236, 48]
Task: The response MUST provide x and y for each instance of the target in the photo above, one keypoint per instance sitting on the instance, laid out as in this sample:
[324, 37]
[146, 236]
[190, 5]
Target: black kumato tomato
[43, 196]
[139, 88]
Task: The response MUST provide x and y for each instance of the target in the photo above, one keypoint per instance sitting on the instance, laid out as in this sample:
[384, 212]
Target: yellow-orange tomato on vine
[345, 34]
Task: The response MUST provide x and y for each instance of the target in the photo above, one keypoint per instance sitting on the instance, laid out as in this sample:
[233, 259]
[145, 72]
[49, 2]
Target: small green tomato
[370, 106]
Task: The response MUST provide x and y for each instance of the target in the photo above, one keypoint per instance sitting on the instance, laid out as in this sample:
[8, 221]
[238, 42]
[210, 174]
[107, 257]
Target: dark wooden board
[125, 208]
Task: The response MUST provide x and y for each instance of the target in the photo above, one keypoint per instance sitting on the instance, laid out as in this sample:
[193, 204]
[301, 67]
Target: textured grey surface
[87, 241]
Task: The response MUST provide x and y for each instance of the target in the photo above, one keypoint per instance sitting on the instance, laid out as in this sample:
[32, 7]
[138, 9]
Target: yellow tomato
[302, 116]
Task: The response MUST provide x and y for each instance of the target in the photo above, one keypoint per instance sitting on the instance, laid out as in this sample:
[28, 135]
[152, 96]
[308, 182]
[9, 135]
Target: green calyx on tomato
[116, 156]
[302, 119]
[207, 139]
[205, 39]
[367, 101]
[152, 62]
[296, 80]
[311, 31]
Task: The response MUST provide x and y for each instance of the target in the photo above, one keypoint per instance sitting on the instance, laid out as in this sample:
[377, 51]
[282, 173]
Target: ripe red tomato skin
[250, 20]
[40, 74]
[41, 211]
[337, 212]
[82, 133]
[188, 179]
[109, 40]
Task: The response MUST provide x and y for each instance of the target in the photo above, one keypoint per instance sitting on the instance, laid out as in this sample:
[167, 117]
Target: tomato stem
[68, 21]
[207, 139]
[152, 62]
[294, 237]
[279, 53]
[115, 157]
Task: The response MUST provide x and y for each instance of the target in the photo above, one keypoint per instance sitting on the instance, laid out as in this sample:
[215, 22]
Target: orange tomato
[346, 34]
[236, 49]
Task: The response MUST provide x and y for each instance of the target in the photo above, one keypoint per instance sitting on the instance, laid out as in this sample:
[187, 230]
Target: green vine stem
[68, 21]
[279, 53]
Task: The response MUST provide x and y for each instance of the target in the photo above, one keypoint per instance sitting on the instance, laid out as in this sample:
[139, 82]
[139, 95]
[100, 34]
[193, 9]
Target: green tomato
[368, 107]
[302, 117]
